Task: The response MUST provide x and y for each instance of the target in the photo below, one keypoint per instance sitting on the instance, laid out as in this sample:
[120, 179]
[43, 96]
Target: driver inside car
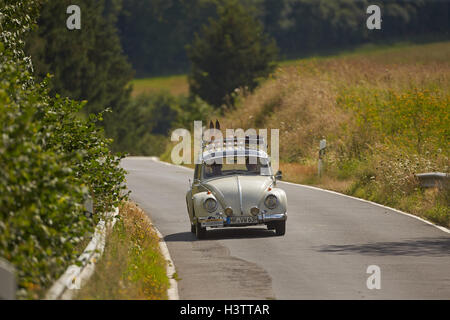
[251, 164]
[213, 170]
[216, 169]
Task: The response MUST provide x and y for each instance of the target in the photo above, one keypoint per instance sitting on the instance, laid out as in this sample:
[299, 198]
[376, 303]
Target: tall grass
[132, 266]
[385, 115]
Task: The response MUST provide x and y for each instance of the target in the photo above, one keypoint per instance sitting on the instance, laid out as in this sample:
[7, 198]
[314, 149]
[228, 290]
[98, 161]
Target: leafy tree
[154, 32]
[143, 124]
[231, 53]
[86, 64]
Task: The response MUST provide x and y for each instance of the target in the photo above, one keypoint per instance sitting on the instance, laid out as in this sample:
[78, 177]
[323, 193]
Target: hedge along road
[330, 242]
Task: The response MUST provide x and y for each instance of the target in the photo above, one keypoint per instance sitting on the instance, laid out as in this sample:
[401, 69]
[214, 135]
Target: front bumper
[266, 217]
[221, 222]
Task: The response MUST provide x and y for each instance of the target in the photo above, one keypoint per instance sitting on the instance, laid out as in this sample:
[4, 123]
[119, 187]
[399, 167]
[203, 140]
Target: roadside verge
[134, 263]
[76, 275]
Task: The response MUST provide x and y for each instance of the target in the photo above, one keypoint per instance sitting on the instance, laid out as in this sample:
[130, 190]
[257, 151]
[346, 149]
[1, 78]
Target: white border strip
[371, 202]
[172, 291]
[75, 276]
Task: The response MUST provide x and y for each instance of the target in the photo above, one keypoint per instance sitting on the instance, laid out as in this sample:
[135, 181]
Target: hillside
[384, 113]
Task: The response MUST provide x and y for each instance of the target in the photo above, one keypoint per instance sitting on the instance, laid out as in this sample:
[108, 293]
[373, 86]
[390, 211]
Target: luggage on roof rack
[231, 142]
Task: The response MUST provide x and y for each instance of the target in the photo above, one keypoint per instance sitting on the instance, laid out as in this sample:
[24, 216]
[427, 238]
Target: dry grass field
[385, 115]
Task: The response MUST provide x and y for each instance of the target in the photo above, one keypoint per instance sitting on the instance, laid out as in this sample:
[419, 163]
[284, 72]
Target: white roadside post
[89, 206]
[322, 146]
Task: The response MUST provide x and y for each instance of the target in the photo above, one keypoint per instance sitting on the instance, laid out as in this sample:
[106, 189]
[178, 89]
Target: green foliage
[143, 124]
[132, 266]
[154, 33]
[87, 64]
[161, 29]
[94, 165]
[417, 119]
[192, 109]
[232, 53]
[41, 217]
[147, 120]
[399, 133]
[49, 162]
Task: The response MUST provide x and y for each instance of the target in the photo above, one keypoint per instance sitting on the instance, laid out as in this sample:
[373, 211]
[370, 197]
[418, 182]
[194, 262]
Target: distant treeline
[154, 33]
[151, 36]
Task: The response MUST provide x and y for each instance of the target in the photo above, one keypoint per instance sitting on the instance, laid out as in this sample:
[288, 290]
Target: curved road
[329, 243]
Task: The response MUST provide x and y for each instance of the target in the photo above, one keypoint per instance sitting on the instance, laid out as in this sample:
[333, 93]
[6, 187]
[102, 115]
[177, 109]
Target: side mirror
[279, 175]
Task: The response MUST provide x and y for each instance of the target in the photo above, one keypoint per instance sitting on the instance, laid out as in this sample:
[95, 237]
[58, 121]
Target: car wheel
[200, 231]
[280, 228]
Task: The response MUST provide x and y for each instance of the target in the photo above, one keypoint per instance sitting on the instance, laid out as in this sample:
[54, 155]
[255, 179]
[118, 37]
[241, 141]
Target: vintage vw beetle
[234, 186]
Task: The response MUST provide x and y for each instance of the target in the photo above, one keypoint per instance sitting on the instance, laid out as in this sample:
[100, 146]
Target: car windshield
[222, 167]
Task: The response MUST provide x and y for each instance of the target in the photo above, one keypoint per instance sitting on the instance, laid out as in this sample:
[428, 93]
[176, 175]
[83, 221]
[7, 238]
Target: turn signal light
[254, 211]
[228, 211]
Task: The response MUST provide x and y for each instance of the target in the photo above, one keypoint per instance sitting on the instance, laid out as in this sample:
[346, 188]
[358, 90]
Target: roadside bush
[139, 127]
[41, 219]
[144, 124]
[94, 164]
[49, 162]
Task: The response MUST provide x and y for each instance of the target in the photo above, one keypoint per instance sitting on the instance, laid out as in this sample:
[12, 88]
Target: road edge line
[371, 202]
[78, 275]
[172, 291]
[444, 229]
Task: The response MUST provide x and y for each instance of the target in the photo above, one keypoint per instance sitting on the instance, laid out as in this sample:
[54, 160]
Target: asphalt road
[329, 243]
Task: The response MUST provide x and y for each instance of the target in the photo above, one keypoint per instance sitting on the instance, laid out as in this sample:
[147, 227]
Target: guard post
[322, 147]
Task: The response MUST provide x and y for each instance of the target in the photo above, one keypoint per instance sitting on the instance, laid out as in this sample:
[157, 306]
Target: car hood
[241, 193]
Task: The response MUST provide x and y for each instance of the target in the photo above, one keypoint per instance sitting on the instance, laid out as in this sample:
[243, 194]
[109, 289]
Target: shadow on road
[221, 234]
[436, 247]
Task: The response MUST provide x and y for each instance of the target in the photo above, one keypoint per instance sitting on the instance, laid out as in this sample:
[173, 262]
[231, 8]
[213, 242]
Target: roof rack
[247, 142]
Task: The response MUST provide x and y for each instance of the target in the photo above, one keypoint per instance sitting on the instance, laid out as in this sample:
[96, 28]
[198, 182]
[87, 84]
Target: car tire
[200, 232]
[280, 228]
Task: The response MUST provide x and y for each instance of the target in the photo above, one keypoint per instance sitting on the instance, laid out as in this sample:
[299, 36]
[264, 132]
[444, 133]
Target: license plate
[212, 223]
[243, 220]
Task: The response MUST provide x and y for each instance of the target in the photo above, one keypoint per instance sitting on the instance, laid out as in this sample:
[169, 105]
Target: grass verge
[431, 204]
[132, 267]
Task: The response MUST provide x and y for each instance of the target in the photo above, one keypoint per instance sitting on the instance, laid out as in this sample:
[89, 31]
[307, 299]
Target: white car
[234, 186]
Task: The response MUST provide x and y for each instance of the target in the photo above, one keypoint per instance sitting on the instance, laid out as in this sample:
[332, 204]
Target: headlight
[210, 205]
[271, 201]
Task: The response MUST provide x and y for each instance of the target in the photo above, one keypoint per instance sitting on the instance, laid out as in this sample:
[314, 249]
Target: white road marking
[367, 201]
[156, 159]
